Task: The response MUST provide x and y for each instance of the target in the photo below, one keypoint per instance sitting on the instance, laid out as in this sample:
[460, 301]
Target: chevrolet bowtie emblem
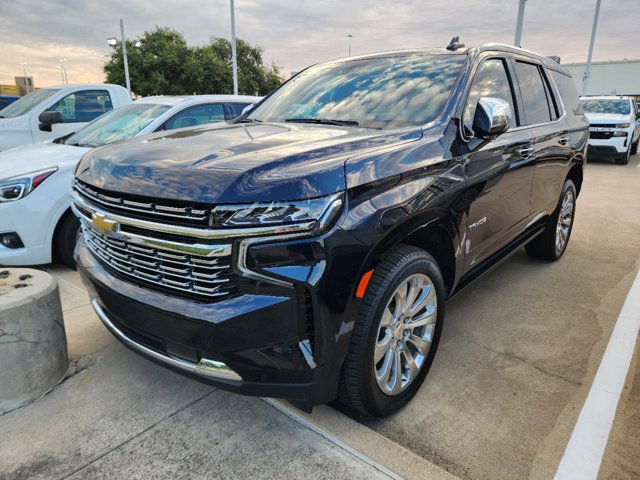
[102, 224]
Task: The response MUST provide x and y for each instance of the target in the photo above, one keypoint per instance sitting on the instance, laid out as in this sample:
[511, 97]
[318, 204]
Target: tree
[164, 64]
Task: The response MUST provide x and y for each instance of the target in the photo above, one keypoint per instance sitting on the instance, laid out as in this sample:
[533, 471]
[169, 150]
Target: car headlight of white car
[19, 186]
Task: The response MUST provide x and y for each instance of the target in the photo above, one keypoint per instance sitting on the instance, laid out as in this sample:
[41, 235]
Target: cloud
[297, 34]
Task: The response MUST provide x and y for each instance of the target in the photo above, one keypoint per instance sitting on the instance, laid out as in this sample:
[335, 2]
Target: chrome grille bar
[211, 278]
[180, 213]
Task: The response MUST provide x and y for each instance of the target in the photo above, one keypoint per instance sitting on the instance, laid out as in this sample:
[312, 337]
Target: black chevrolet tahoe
[306, 249]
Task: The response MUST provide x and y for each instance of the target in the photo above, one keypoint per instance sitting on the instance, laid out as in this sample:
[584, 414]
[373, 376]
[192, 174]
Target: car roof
[460, 51]
[175, 100]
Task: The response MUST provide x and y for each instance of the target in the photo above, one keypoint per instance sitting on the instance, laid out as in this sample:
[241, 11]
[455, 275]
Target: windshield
[621, 107]
[117, 125]
[26, 103]
[384, 92]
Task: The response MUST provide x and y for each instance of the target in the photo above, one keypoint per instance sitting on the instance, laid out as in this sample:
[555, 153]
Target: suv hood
[241, 163]
[608, 118]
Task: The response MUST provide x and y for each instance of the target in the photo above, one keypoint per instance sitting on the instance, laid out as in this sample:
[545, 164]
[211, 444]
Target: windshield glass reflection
[117, 125]
[382, 92]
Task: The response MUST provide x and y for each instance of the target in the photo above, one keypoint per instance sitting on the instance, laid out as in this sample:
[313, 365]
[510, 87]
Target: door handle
[526, 151]
[563, 140]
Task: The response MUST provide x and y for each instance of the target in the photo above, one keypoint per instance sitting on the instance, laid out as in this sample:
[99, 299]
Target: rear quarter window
[567, 91]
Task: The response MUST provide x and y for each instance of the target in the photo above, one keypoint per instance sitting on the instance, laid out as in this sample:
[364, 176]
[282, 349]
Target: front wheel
[623, 159]
[552, 242]
[395, 335]
[65, 239]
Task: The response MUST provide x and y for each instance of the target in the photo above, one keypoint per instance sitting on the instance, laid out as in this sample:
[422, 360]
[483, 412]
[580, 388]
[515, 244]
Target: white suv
[614, 129]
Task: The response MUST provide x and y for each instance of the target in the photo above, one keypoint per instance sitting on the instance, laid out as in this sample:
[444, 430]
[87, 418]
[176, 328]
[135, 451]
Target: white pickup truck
[53, 112]
[614, 127]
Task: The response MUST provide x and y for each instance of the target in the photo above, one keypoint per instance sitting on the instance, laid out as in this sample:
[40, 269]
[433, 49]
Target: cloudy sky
[296, 33]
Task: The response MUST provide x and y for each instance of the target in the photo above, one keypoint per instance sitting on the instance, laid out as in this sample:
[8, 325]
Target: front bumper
[609, 146]
[33, 218]
[273, 340]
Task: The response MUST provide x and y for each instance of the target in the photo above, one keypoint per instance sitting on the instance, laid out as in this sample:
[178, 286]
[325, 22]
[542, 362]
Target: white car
[36, 222]
[614, 129]
[52, 112]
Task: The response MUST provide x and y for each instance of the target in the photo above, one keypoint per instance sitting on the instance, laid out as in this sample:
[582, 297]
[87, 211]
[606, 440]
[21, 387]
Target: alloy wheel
[565, 221]
[405, 334]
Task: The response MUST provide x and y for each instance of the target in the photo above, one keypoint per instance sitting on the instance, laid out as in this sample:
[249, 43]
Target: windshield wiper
[247, 120]
[324, 121]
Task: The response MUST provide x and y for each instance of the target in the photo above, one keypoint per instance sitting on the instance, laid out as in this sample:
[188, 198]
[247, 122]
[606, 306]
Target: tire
[624, 158]
[65, 239]
[634, 147]
[363, 386]
[551, 244]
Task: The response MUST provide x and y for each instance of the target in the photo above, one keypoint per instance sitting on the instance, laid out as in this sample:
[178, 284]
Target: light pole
[63, 69]
[59, 67]
[24, 70]
[234, 59]
[349, 37]
[113, 42]
[587, 72]
[518, 39]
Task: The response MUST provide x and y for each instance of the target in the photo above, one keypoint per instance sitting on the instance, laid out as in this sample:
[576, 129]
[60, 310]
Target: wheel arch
[429, 232]
[56, 229]
[576, 175]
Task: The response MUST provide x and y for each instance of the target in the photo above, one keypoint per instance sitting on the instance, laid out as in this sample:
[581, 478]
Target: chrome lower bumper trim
[206, 367]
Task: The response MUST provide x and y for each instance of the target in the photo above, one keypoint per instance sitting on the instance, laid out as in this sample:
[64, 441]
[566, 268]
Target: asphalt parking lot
[517, 359]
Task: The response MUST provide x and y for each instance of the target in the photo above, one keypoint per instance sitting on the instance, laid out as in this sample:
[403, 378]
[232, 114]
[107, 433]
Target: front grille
[600, 135]
[602, 125]
[208, 278]
[167, 211]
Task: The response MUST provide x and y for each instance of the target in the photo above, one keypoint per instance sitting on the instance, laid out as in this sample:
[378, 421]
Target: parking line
[583, 455]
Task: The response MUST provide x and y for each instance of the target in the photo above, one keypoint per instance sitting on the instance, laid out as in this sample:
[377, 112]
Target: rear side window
[83, 106]
[198, 115]
[534, 96]
[567, 91]
[490, 80]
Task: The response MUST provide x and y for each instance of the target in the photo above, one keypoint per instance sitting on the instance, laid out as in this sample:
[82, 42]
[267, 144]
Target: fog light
[11, 240]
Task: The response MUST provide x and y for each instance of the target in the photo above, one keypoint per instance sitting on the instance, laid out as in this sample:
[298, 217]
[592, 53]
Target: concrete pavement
[121, 416]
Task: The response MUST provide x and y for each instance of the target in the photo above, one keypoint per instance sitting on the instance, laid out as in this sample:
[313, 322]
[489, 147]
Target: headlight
[278, 217]
[20, 186]
[622, 125]
[619, 134]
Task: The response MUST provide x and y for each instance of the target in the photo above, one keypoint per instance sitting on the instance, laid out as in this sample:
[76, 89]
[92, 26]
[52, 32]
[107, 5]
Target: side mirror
[48, 118]
[492, 118]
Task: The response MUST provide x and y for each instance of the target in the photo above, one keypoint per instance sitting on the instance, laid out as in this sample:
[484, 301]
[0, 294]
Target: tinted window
[620, 107]
[490, 80]
[554, 106]
[83, 106]
[235, 109]
[534, 98]
[198, 115]
[26, 103]
[567, 91]
[382, 92]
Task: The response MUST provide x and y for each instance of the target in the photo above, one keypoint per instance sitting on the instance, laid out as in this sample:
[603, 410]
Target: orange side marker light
[362, 286]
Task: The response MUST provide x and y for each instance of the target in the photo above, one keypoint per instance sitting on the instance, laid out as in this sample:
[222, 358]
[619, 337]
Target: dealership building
[617, 77]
